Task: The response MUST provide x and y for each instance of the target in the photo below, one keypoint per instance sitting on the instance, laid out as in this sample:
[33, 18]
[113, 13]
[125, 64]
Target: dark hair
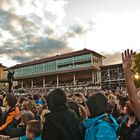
[21, 100]
[56, 98]
[74, 106]
[27, 116]
[35, 97]
[35, 127]
[11, 99]
[111, 106]
[129, 108]
[97, 104]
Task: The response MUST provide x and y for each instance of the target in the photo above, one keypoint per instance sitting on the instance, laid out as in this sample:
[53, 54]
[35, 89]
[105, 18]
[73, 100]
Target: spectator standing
[11, 111]
[99, 125]
[61, 123]
[10, 78]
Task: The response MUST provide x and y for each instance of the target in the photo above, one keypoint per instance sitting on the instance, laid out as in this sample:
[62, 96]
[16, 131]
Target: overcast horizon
[34, 29]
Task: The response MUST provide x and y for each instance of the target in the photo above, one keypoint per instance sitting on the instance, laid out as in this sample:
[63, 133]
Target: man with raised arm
[131, 88]
[10, 78]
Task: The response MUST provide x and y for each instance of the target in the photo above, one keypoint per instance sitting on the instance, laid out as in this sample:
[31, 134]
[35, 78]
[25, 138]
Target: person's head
[10, 100]
[35, 97]
[128, 110]
[39, 108]
[83, 113]
[74, 106]
[31, 105]
[56, 99]
[43, 114]
[24, 105]
[97, 105]
[27, 116]
[111, 106]
[33, 129]
[9, 70]
[1, 97]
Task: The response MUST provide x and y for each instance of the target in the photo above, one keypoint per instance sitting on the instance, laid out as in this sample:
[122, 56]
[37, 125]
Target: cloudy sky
[34, 29]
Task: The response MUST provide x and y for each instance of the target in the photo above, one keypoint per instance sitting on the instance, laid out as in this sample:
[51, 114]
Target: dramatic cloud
[33, 29]
[27, 29]
[42, 49]
[77, 29]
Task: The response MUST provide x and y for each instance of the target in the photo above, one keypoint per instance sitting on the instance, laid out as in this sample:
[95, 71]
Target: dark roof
[62, 56]
[113, 65]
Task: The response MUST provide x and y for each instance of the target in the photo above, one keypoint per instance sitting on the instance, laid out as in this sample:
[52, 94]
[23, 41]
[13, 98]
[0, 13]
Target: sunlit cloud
[7, 61]
[33, 29]
[27, 27]
[112, 32]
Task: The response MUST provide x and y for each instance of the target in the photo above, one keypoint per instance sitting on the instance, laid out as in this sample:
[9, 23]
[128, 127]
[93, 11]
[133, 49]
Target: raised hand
[127, 59]
[129, 81]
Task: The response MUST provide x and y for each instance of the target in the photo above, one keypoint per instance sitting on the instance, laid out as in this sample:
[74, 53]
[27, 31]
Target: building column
[95, 77]
[99, 76]
[92, 75]
[74, 81]
[44, 82]
[57, 81]
[21, 84]
[32, 84]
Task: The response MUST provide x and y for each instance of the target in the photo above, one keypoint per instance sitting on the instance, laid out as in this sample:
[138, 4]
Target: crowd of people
[63, 114]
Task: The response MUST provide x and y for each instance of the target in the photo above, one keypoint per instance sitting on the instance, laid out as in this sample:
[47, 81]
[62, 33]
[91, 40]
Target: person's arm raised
[131, 88]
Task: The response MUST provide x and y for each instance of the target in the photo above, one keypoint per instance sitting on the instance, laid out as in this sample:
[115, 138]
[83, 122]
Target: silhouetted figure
[10, 77]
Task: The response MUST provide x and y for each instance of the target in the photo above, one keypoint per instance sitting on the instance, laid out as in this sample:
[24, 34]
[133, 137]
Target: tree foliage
[136, 68]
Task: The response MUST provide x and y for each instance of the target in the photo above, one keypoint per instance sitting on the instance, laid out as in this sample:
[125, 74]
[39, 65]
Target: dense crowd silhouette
[67, 113]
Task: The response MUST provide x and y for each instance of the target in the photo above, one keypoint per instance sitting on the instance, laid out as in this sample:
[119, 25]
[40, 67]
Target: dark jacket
[62, 124]
[135, 135]
[13, 131]
[129, 133]
[10, 76]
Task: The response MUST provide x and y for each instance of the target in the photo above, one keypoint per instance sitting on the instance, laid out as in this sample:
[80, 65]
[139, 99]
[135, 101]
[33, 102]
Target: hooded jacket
[100, 125]
[61, 123]
[99, 128]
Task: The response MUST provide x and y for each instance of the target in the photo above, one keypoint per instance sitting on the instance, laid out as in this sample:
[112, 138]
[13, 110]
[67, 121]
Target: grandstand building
[2, 76]
[112, 76]
[73, 67]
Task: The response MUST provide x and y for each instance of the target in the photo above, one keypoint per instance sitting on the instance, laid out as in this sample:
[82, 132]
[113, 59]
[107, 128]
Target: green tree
[136, 68]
